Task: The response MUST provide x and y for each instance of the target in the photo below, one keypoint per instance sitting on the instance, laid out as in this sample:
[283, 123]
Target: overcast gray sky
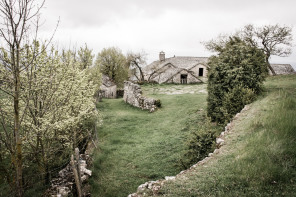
[176, 27]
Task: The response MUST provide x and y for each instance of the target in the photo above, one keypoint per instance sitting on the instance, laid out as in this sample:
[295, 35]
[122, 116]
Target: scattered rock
[194, 166]
[150, 184]
[155, 189]
[142, 187]
[182, 172]
[219, 142]
[203, 91]
[170, 178]
[133, 195]
[216, 151]
[236, 116]
[63, 191]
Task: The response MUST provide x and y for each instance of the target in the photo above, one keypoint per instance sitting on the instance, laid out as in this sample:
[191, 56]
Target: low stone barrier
[63, 185]
[155, 186]
[133, 96]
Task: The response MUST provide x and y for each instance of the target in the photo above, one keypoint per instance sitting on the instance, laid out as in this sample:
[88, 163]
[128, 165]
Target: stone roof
[183, 62]
[282, 69]
[178, 62]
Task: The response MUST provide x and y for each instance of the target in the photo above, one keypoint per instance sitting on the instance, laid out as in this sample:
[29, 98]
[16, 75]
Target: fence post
[76, 177]
[78, 165]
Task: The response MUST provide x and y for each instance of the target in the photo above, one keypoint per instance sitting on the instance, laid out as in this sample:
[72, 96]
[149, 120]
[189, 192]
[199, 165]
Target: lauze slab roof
[164, 71]
[169, 67]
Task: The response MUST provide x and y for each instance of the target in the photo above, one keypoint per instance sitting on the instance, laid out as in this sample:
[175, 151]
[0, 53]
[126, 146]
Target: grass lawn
[259, 158]
[136, 146]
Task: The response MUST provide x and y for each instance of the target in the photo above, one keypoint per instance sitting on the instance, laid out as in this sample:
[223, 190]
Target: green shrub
[157, 103]
[235, 100]
[200, 143]
[235, 76]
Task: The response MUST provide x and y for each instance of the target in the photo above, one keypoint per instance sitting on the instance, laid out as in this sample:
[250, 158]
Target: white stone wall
[133, 96]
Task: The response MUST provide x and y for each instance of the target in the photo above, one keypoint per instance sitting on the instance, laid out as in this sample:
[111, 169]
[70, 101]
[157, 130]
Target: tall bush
[235, 75]
[113, 63]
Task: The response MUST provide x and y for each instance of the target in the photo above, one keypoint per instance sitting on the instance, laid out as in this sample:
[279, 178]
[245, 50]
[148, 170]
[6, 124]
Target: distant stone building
[108, 88]
[282, 69]
[177, 70]
[185, 70]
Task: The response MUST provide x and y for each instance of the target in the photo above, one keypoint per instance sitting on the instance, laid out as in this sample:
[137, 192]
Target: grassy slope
[259, 158]
[136, 146]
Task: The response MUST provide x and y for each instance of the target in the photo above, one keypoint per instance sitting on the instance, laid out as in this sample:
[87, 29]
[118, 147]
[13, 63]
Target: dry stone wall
[133, 96]
[63, 185]
[155, 186]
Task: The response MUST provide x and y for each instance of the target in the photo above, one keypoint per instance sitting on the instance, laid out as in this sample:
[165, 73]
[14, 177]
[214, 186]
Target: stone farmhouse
[177, 70]
[185, 70]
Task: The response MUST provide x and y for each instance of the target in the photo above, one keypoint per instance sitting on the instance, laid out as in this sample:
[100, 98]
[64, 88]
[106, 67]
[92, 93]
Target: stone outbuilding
[282, 69]
[183, 70]
[108, 88]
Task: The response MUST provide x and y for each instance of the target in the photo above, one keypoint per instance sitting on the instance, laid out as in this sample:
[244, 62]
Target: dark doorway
[200, 72]
[183, 79]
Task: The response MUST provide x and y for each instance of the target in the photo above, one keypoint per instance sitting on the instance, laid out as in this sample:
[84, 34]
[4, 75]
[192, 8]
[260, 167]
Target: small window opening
[183, 79]
[200, 72]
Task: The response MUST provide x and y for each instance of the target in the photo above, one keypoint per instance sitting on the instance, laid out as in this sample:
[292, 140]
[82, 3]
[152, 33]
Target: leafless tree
[137, 61]
[272, 39]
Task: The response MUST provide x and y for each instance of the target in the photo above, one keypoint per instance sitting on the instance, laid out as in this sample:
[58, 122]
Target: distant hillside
[259, 154]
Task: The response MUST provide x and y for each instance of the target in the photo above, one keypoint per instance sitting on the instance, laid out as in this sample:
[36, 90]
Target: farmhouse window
[200, 72]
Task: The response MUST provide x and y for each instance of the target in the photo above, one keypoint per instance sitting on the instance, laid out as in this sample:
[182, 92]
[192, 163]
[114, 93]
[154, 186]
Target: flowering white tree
[56, 99]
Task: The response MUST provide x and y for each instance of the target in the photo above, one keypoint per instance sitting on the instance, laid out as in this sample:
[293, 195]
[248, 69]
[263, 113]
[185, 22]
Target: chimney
[161, 56]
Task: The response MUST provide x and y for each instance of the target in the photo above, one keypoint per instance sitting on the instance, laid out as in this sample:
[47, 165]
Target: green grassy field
[259, 158]
[136, 146]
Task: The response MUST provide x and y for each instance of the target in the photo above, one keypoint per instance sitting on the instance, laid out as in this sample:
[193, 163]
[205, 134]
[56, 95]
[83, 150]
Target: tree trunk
[142, 75]
[270, 67]
[18, 141]
[44, 163]
[141, 72]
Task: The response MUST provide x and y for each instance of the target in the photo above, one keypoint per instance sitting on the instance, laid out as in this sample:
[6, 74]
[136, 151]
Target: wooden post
[78, 165]
[76, 177]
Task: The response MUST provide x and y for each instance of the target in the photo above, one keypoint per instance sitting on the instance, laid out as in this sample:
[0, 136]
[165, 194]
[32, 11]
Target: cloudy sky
[176, 27]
